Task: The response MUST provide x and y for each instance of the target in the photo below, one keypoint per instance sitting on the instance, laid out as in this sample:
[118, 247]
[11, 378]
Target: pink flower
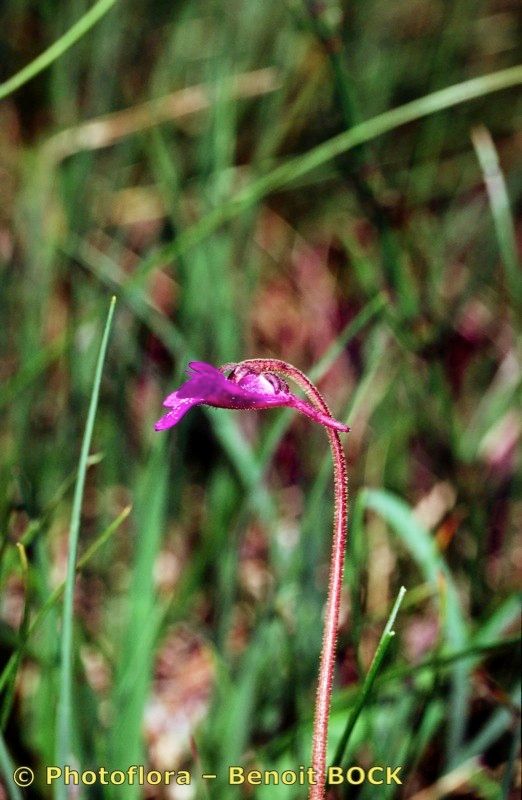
[254, 384]
[244, 388]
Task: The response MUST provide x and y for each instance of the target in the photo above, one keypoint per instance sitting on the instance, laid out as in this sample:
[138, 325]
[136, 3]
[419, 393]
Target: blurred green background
[174, 156]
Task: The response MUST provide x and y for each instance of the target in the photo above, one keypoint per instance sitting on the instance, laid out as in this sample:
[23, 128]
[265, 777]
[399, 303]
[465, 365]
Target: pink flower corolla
[243, 388]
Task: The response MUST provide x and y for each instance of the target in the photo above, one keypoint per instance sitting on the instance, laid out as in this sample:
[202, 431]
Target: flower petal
[202, 367]
[202, 377]
[208, 385]
[317, 416]
[179, 410]
[242, 389]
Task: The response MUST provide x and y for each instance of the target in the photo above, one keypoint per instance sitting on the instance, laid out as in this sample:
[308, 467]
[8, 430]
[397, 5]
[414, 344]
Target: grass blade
[64, 713]
[22, 637]
[509, 774]
[7, 767]
[504, 718]
[382, 648]
[424, 550]
[500, 208]
[58, 48]
[135, 667]
[322, 154]
[10, 669]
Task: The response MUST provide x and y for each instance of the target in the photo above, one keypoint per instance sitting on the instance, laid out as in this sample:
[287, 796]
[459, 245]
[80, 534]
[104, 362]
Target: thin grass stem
[64, 728]
[500, 208]
[382, 648]
[57, 49]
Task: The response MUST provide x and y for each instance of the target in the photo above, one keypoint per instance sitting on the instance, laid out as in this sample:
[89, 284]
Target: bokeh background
[161, 158]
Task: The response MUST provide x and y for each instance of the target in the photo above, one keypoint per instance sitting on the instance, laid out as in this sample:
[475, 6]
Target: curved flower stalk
[255, 384]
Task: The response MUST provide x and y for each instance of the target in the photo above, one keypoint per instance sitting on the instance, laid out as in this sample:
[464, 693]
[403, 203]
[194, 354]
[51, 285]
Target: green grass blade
[30, 370]
[35, 526]
[58, 48]
[278, 428]
[225, 426]
[509, 775]
[235, 705]
[346, 697]
[382, 648]
[372, 309]
[10, 669]
[434, 664]
[7, 768]
[503, 719]
[64, 714]
[22, 636]
[500, 208]
[424, 550]
[82, 562]
[322, 154]
[138, 646]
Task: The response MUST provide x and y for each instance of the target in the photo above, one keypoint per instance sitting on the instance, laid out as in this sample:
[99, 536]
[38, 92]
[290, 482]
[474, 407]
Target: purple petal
[243, 389]
[317, 416]
[174, 399]
[203, 379]
[201, 367]
[204, 385]
[174, 416]
[208, 385]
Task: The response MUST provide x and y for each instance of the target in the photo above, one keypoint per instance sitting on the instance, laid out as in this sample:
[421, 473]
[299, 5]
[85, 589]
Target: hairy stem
[326, 669]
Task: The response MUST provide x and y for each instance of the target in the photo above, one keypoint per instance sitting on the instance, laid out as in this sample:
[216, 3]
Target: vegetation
[330, 184]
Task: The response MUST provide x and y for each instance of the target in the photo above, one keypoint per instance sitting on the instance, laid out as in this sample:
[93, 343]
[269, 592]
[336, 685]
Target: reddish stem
[326, 669]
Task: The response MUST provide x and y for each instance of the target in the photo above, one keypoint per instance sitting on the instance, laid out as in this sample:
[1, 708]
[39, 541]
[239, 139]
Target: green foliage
[334, 186]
